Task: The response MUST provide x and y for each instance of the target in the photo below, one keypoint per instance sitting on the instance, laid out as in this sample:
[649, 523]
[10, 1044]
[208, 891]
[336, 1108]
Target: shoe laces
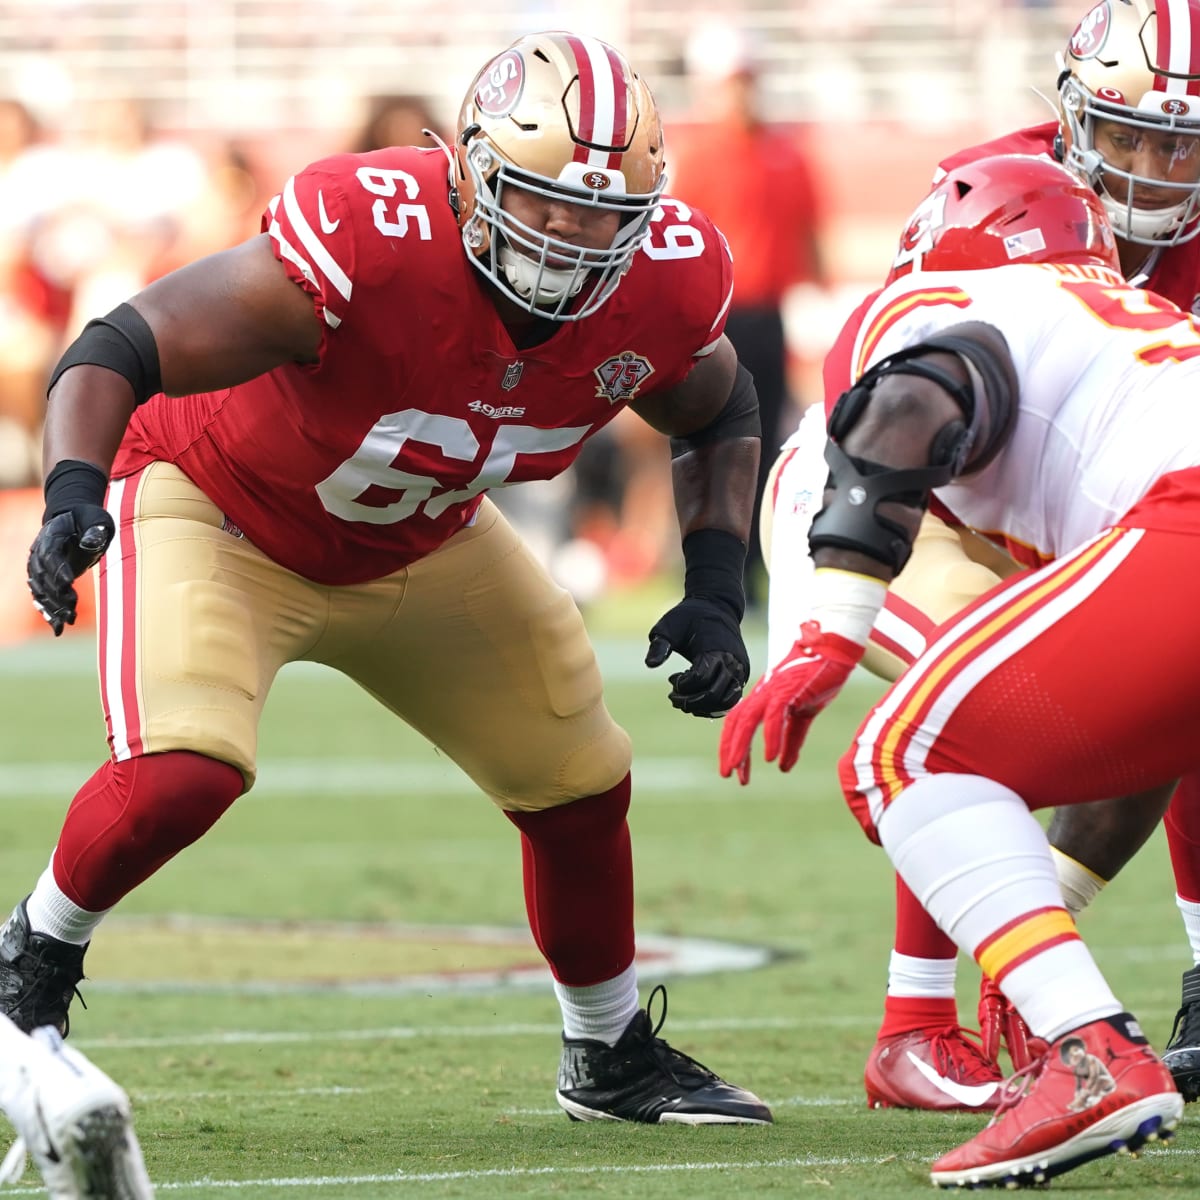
[43, 971]
[680, 1067]
[958, 1054]
[1016, 1087]
[1186, 1030]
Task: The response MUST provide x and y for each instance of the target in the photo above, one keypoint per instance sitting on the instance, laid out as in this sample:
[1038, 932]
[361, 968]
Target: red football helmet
[1010, 208]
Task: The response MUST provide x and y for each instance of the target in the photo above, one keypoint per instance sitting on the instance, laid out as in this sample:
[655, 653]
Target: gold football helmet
[563, 115]
[1129, 94]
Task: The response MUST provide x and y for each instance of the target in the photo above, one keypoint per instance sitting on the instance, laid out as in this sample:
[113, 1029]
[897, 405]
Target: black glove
[705, 627]
[71, 541]
[707, 634]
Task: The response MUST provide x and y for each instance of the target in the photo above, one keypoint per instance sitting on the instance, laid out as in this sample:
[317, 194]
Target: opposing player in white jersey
[1031, 401]
[1129, 122]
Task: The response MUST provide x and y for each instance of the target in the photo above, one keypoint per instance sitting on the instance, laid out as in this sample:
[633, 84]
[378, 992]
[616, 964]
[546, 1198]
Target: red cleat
[1001, 1024]
[940, 1070]
[1095, 1091]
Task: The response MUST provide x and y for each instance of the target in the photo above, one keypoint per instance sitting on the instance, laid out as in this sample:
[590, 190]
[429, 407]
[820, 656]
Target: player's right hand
[787, 699]
[66, 546]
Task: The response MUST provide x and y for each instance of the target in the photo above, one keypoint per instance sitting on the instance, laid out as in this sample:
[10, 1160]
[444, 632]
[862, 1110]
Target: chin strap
[524, 276]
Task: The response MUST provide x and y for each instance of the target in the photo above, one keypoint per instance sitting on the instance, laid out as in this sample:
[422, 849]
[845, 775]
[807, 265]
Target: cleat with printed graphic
[74, 1121]
[1097, 1090]
[1182, 1055]
[1001, 1025]
[939, 1070]
[38, 975]
[643, 1079]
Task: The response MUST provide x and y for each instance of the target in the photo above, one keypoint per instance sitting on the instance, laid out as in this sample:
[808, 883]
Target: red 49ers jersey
[353, 467]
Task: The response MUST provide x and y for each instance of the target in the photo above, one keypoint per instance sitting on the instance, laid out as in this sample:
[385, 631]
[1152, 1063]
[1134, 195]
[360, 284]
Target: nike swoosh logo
[974, 1095]
[327, 226]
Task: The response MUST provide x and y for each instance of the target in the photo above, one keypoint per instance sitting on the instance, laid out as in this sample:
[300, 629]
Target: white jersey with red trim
[356, 466]
[1109, 382]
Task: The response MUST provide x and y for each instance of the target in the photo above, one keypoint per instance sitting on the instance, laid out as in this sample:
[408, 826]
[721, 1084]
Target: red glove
[786, 699]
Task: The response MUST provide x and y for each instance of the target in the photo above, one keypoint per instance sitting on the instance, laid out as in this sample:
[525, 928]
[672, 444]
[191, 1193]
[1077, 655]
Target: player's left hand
[66, 546]
[787, 699]
[709, 636]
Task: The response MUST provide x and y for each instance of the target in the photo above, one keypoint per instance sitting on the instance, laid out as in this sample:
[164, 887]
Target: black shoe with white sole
[643, 1079]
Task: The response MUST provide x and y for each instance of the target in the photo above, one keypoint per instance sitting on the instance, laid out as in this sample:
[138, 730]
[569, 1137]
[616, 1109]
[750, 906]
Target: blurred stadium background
[137, 135]
[267, 998]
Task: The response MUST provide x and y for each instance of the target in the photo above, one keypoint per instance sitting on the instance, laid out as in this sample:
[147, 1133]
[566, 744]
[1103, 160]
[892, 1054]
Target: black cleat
[641, 1078]
[38, 975]
[1182, 1055]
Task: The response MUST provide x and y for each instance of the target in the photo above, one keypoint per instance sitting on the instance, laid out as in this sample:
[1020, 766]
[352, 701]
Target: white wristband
[846, 603]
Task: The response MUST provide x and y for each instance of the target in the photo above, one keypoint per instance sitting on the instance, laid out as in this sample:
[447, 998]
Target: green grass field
[279, 1062]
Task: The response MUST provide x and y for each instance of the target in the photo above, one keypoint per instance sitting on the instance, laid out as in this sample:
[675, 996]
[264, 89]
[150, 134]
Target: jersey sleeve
[312, 230]
[694, 268]
[836, 373]
[1036, 139]
[723, 258]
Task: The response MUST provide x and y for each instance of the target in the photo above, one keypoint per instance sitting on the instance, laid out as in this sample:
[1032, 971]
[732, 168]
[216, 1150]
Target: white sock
[979, 862]
[601, 1012]
[52, 913]
[1080, 886]
[927, 977]
[1190, 912]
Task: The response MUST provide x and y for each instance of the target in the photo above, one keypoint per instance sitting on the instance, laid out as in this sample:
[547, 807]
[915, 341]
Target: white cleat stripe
[974, 1095]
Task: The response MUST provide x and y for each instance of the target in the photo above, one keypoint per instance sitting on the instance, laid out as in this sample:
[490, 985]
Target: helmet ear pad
[463, 197]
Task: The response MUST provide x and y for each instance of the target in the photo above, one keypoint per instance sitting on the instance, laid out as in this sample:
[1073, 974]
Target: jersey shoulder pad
[336, 224]
[687, 269]
[1035, 139]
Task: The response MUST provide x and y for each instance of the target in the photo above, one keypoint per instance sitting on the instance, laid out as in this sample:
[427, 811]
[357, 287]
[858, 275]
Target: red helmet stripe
[602, 100]
[1178, 48]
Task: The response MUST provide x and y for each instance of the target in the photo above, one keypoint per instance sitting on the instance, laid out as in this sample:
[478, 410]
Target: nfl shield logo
[512, 376]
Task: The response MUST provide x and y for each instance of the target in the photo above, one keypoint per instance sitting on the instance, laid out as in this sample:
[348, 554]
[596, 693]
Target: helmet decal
[500, 85]
[603, 102]
[1088, 38]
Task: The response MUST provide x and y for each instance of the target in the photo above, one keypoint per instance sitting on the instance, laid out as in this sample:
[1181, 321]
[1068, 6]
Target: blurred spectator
[32, 311]
[119, 229]
[396, 120]
[754, 179]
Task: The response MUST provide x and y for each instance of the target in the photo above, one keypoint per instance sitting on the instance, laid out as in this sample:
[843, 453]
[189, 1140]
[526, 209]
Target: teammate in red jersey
[302, 431]
[1134, 132]
[1032, 398]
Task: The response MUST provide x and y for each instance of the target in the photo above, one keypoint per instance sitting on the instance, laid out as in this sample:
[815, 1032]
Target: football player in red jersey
[297, 437]
[1129, 122]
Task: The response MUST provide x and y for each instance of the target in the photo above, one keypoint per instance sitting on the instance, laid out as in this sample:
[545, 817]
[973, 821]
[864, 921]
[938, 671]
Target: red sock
[134, 815]
[1183, 837]
[901, 1014]
[578, 870]
[917, 933]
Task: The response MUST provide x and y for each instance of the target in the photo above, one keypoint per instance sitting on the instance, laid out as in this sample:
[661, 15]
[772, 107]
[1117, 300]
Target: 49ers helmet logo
[1176, 107]
[501, 84]
[1090, 33]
